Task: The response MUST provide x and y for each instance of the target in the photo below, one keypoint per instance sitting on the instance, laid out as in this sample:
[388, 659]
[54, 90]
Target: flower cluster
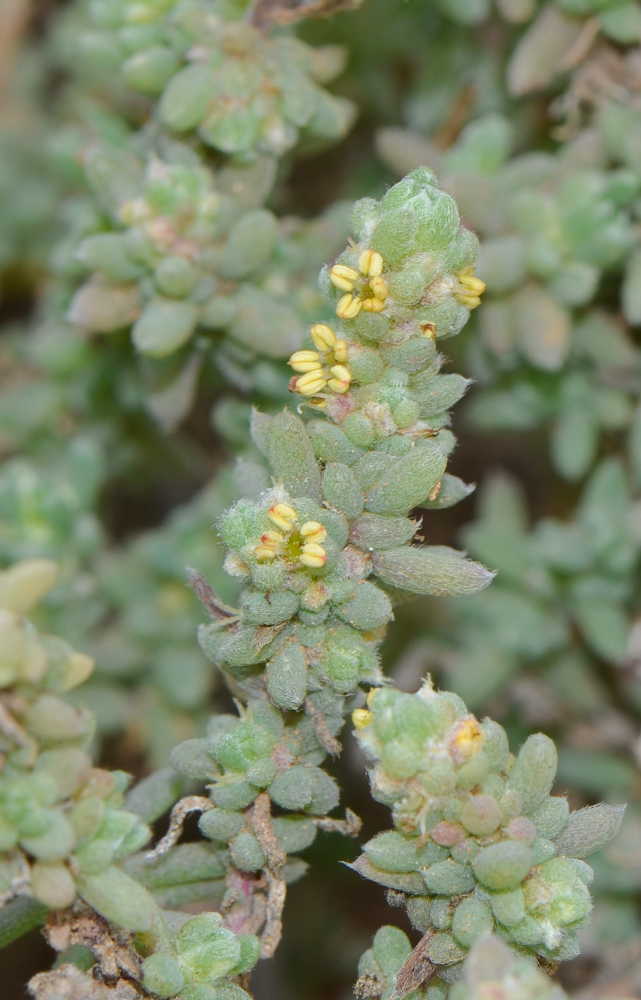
[64, 834]
[479, 843]
[406, 279]
[324, 367]
[175, 243]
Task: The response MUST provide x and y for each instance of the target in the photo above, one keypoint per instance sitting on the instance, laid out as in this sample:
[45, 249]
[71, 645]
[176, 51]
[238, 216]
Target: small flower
[361, 718]
[466, 739]
[271, 544]
[365, 290]
[324, 368]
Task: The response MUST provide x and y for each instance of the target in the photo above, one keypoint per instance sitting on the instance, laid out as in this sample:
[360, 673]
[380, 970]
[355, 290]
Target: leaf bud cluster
[63, 831]
[240, 91]
[197, 962]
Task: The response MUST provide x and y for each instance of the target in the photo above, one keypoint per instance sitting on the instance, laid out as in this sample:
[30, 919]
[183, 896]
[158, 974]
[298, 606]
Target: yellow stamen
[340, 352]
[343, 271]
[348, 307]
[341, 380]
[304, 356]
[305, 361]
[313, 531]
[370, 695]
[343, 277]
[262, 552]
[475, 285]
[313, 555]
[380, 289]
[471, 301]
[370, 262]
[373, 305]
[361, 718]
[272, 539]
[311, 383]
[283, 516]
[323, 337]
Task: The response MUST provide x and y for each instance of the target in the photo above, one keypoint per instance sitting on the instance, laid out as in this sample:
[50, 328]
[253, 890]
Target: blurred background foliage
[118, 460]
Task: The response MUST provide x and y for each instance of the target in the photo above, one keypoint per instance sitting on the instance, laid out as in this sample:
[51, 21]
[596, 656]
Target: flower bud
[504, 865]
[53, 884]
[25, 583]
[162, 975]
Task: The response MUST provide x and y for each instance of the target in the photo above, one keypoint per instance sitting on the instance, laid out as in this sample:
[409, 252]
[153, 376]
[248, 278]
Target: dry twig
[180, 812]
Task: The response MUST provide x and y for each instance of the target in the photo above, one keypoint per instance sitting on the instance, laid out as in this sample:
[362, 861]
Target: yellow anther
[373, 305]
[304, 356]
[370, 695]
[473, 288]
[343, 271]
[348, 307]
[470, 301]
[305, 361]
[340, 352]
[380, 289]
[263, 552]
[311, 383]
[475, 285]
[342, 378]
[361, 718]
[283, 516]
[344, 281]
[322, 336]
[272, 540]
[313, 555]
[370, 262]
[313, 531]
